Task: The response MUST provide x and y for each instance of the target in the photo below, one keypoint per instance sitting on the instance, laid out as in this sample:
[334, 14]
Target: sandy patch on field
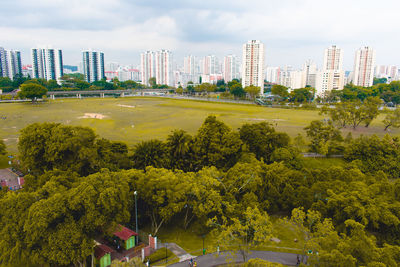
[126, 106]
[260, 119]
[93, 116]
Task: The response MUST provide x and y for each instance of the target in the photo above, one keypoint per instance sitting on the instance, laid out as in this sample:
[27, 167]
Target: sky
[292, 31]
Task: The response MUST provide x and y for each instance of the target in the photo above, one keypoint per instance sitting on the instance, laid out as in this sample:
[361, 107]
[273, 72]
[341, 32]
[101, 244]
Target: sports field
[141, 118]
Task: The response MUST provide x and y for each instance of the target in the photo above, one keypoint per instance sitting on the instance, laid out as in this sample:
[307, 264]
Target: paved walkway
[210, 260]
[178, 251]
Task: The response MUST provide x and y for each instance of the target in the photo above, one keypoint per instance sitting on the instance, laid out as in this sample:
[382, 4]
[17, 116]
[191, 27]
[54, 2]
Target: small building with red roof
[126, 235]
[102, 253]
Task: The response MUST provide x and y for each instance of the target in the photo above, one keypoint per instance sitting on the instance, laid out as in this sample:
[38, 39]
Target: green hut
[127, 236]
[102, 253]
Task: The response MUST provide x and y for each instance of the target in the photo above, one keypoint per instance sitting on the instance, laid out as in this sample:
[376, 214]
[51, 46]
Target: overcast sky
[292, 30]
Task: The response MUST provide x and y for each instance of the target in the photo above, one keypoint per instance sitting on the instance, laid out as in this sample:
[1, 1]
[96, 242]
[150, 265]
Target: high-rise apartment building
[163, 66]
[158, 65]
[331, 77]
[189, 65]
[273, 74]
[47, 63]
[230, 68]
[253, 64]
[364, 64]
[93, 65]
[388, 72]
[10, 63]
[309, 74]
[210, 65]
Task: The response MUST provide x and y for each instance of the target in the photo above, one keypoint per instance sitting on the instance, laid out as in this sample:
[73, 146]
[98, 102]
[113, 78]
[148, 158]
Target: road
[210, 260]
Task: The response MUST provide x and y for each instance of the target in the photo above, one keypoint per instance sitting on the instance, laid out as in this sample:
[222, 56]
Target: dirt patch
[93, 116]
[126, 106]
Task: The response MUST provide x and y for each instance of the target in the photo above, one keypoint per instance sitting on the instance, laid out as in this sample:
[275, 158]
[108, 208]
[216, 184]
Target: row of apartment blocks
[47, 63]
[10, 63]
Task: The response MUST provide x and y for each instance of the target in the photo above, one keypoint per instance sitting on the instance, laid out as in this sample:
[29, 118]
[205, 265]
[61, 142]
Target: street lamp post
[137, 228]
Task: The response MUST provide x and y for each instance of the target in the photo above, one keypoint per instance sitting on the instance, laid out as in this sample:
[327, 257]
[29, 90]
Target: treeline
[69, 82]
[389, 93]
[77, 189]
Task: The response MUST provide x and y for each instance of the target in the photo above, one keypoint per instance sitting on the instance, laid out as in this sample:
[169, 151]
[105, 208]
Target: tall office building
[47, 63]
[364, 64]
[331, 77]
[158, 65]
[93, 65]
[230, 68]
[253, 64]
[10, 63]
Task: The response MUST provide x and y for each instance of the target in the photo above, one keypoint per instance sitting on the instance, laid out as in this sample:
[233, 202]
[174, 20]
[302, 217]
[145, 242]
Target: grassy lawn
[133, 119]
[322, 163]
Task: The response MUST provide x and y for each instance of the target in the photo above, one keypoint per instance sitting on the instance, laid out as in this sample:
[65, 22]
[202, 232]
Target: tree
[215, 145]
[52, 84]
[153, 82]
[32, 91]
[149, 153]
[236, 89]
[207, 87]
[302, 95]
[3, 150]
[178, 146]
[179, 90]
[48, 146]
[253, 91]
[262, 139]
[279, 90]
[254, 227]
[392, 119]
[371, 109]
[325, 138]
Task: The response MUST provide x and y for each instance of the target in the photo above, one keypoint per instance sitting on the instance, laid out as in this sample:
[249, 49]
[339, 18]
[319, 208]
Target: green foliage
[215, 145]
[3, 150]
[253, 91]
[280, 90]
[392, 119]
[375, 154]
[262, 139]
[325, 138]
[236, 89]
[302, 95]
[160, 254]
[149, 153]
[32, 91]
[48, 146]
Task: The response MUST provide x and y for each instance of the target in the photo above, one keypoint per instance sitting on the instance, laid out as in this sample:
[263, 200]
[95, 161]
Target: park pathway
[178, 251]
[211, 260]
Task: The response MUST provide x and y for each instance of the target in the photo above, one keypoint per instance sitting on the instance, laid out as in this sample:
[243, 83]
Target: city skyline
[292, 31]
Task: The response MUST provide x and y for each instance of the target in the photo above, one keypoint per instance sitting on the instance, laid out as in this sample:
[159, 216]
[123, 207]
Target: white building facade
[47, 63]
[230, 68]
[93, 65]
[364, 64]
[331, 77]
[158, 65]
[253, 64]
[10, 63]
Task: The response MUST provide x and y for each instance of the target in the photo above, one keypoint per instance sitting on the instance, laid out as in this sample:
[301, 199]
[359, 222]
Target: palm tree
[178, 146]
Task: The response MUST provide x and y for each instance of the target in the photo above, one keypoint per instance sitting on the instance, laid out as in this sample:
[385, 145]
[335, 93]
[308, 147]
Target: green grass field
[139, 118]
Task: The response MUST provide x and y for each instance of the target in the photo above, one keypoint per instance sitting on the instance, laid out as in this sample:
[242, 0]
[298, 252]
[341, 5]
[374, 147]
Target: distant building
[364, 64]
[210, 65]
[10, 63]
[388, 72]
[331, 77]
[253, 64]
[230, 68]
[273, 74]
[47, 63]
[93, 66]
[310, 72]
[158, 65]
